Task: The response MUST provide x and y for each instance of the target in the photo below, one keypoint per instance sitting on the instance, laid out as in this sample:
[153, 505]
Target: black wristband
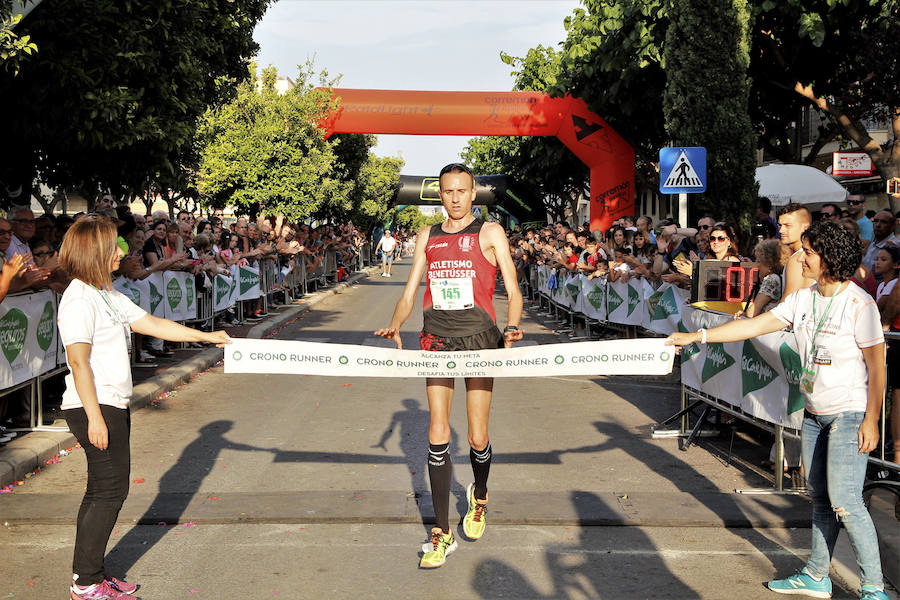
[510, 328]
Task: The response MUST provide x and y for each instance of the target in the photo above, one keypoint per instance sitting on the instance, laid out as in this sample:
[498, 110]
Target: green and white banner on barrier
[167, 294]
[248, 282]
[649, 356]
[224, 292]
[760, 376]
[28, 337]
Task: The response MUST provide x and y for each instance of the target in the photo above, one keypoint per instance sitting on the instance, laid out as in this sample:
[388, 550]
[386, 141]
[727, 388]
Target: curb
[24, 454]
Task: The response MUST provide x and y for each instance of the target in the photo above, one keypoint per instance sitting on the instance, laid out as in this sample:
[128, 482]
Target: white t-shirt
[884, 290]
[853, 322]
[102, 319]
[388, 243]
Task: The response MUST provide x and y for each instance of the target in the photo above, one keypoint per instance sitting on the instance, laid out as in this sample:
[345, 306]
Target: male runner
[460, 258]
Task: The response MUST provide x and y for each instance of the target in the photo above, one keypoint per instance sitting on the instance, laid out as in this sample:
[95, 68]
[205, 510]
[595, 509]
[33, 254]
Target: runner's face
[457, 194]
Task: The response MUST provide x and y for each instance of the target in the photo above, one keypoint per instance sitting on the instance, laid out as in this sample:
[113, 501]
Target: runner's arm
[499, 244]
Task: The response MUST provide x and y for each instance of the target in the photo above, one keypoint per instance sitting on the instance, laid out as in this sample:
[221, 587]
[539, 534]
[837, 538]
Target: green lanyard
[812, 342]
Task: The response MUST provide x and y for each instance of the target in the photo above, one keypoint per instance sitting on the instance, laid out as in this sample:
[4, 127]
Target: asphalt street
[316, 487]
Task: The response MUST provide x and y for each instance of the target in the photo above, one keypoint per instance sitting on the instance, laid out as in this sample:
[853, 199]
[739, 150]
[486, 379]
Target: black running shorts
[488, 339]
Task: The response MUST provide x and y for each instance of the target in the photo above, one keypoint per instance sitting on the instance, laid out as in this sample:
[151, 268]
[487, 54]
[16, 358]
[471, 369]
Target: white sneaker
[146, 356]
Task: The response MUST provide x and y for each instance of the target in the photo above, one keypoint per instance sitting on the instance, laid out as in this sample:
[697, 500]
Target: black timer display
[723, 281]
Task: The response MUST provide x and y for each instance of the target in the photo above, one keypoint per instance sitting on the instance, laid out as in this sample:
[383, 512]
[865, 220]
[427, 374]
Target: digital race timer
[723, 281]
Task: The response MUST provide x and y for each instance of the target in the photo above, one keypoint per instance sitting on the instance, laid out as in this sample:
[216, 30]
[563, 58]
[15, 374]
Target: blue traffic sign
[682, 170]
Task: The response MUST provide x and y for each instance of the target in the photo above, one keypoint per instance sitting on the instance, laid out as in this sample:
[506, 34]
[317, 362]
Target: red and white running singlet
[459, 283]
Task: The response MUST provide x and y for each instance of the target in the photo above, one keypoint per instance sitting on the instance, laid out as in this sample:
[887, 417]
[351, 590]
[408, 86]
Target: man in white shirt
[883, 233]
[22, 220]
[387, 245]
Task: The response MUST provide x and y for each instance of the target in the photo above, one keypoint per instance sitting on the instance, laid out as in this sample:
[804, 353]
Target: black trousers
[107, 488]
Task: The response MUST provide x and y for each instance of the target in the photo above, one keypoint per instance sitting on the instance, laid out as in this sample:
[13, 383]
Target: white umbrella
[798, 183]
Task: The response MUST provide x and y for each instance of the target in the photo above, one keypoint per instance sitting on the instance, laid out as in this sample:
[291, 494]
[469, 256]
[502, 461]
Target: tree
[839, 57]
[705, 102]
[551, 177]
[265, 150]
[375, 187]
[115, 92]
[13, 48]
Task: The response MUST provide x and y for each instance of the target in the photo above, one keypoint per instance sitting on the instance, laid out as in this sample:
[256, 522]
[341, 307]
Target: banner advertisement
[224, 292]
[759, 376]
[248, 282]
[181, 301]
[28, 337]
[649, 356]
[593, 292]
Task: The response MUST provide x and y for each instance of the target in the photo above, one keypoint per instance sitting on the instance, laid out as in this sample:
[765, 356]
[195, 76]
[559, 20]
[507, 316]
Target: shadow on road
[412, 435]
[177, 489]
[580, 571]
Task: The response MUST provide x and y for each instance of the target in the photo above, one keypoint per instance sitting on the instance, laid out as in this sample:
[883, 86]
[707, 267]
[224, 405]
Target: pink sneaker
[118, 584]
[101, 591]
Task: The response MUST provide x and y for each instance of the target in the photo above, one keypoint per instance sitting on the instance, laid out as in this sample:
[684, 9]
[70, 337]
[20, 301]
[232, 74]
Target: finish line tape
[649, 356]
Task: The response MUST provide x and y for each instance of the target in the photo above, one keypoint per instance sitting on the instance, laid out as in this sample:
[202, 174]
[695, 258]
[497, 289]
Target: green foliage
[115, 93]
[612, 58]
[374, 190]
[548, 174]
[264, 150]
[705, 102]
[13, 47]
[411, 218]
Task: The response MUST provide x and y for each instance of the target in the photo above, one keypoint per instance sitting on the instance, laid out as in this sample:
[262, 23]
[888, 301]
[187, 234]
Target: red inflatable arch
[404, 112]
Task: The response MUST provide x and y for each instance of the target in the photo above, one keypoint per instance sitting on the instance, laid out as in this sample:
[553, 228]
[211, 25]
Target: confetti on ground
[213, 498]
[138, 480]
[31, 583]
[189, 524]
[346, 384]
[194, 591]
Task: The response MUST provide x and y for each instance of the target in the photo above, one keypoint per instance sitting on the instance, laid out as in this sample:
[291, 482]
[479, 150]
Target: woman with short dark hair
[95, 325]
[838, 332]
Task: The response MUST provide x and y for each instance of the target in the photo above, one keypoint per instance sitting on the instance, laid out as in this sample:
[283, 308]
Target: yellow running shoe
[474, 521]
[437, 549]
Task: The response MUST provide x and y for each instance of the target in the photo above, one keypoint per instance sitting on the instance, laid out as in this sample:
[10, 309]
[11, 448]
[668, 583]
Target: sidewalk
[20, 457]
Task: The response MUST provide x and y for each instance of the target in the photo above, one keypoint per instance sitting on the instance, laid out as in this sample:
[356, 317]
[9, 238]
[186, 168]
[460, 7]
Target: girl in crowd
[768, 256]
[722, 246]
[887, 262]
[838, 331]
[95, 324]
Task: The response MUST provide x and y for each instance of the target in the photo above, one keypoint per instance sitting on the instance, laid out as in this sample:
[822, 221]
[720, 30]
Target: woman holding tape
[838, 333]
[95, 325]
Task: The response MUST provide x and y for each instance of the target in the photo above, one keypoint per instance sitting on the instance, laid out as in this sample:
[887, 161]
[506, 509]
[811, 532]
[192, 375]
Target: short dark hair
[457, 168]
[837, 209]
[765, 204]
[839, 250]
[795, 207]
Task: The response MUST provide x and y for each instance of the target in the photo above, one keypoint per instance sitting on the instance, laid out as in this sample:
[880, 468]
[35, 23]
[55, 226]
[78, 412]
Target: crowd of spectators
[203, 246]
[668, 251]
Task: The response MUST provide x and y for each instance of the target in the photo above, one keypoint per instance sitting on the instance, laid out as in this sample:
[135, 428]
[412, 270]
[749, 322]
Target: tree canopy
[115, 91]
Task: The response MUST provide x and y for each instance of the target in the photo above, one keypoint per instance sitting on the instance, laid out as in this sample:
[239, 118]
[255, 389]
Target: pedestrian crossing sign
[682, 170]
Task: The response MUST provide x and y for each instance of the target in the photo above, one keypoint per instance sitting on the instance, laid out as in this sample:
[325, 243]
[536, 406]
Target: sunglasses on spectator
[855, 202]
[704, 227]
[5, 231]
[718, 238]
[826, 215]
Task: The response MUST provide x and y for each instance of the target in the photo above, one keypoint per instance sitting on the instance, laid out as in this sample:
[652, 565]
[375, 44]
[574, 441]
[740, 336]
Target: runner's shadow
[412, 436]
[578, 571]
[177, 489]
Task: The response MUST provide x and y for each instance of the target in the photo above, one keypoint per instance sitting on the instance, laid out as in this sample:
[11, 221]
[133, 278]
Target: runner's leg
[440, 468]
[479, 391]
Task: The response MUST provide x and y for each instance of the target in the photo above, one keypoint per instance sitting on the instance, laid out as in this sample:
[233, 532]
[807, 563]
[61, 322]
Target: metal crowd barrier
[563, 319]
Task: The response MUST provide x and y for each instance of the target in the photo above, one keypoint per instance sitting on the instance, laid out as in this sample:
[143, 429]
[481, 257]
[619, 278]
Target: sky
[410, 45]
